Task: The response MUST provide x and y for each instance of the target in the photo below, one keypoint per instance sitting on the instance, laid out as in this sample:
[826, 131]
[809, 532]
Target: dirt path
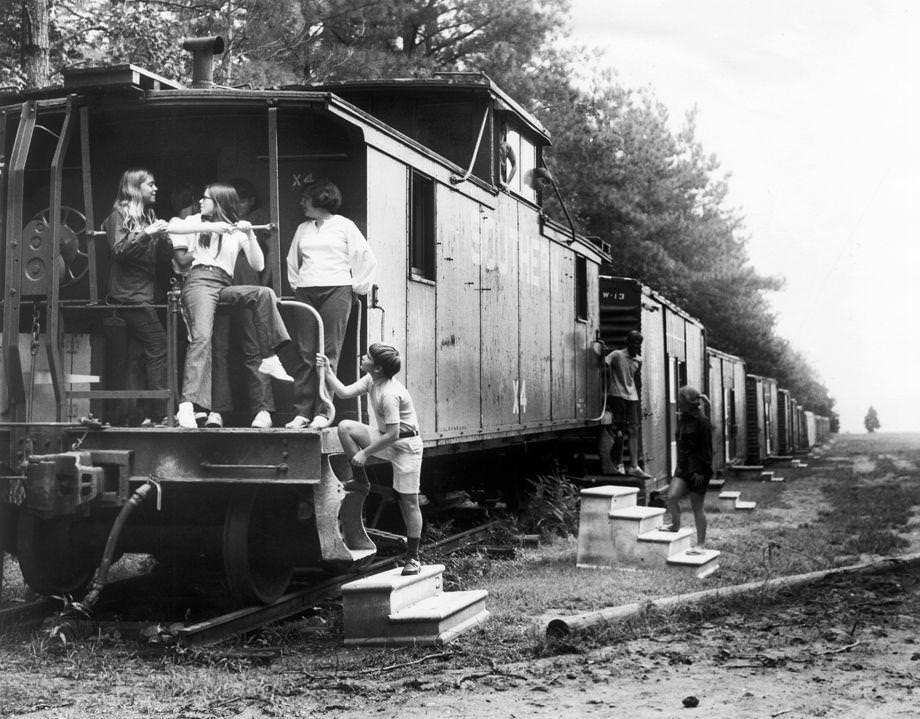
[848, 647]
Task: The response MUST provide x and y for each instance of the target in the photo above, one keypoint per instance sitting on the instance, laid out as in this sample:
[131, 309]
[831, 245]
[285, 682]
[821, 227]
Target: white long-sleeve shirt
[331, 255]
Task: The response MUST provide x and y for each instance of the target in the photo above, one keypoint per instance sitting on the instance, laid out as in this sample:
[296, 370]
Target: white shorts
[406, 457]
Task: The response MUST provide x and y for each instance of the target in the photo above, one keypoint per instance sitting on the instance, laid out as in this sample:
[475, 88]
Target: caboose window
[581, 288]
[421, 227]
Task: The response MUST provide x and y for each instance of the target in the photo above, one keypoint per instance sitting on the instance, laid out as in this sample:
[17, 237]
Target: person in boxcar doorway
[328, 264]
[237, 331]
[208, 245]
[694, 463]
[136, 240]
[623, 403]
[395, 439]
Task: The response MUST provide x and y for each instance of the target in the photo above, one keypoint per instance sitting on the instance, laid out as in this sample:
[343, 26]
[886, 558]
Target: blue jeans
[261, 333]
[146, 355]
[204, 289]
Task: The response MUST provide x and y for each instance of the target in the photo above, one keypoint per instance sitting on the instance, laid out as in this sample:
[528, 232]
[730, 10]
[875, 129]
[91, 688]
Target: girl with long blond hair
[136, 240]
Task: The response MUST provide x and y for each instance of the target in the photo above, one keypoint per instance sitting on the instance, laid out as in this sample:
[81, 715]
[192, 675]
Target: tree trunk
[35, 48]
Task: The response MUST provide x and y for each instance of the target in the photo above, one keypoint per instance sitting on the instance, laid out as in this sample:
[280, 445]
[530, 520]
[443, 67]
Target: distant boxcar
[673, 354]
[727, 392]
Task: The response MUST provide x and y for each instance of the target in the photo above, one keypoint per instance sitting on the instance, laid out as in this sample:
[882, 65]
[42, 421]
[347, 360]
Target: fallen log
[565, 626]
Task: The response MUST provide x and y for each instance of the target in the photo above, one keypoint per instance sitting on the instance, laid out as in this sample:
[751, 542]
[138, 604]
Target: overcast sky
[812, 106]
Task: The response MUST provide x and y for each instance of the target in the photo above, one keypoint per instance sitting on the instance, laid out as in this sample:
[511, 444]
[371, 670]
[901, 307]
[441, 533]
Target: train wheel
[259, 527]
[50, 560]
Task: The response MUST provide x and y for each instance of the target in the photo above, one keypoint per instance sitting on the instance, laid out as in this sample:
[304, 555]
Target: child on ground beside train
[208, 245]
[328, 264]
[395, 439]
[136, 241]
[235, 334]
[694, 463]
[623, 403]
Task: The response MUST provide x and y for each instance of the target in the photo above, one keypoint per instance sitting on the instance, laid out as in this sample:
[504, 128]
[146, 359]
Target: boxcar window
[526, 153]
[421, 227]
[581, 288]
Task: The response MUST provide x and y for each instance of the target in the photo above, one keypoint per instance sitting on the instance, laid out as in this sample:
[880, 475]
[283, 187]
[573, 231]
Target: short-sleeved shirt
[623, 370]
[391, 403]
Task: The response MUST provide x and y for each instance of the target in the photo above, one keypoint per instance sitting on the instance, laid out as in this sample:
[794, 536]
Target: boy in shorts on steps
[395, 439]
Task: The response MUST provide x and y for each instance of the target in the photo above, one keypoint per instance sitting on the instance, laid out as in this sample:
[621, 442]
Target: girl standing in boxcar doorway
[209, 244]
[136, 238]
[694, 463]
[329, 262]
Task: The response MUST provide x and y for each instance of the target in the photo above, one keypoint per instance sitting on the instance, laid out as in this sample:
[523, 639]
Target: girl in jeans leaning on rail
[208, 244]
[395, 439]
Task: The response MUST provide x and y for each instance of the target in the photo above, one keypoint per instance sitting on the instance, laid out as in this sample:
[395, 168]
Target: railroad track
[209, 631]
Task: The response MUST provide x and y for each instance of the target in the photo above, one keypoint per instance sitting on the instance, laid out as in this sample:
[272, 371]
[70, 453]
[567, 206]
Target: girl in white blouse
[329, 262]
[208, 244]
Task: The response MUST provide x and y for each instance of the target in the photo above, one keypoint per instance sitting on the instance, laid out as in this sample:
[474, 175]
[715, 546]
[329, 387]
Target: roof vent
[203, 50]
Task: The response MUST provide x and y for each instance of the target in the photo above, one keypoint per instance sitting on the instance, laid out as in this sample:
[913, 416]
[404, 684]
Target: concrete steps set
[390, 609]
[613, 531]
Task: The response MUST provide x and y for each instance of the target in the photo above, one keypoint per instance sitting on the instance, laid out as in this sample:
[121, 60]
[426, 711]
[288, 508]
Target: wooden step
[595, 530]
[636, 520]
[768, 475]
[367, 603]
[715, 485]
[745, 506]
[667, 543]
[777, 478]
[701, 565]
[435, 620]
[728, 500]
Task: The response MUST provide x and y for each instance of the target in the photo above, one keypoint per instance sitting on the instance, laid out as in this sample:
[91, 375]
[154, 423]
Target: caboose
[493, 304]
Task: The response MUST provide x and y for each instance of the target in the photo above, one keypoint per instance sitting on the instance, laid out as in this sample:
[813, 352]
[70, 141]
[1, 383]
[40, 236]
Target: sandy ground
[848, 647]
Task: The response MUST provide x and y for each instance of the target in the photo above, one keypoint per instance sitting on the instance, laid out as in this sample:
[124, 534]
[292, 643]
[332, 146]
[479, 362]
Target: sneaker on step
[412, 566]
[262, 420]
[639, 472]
[619, 469]
[319, 422]
[214, 420]
[186, 416]
[273, 368]
[299, 422]
[200, 418]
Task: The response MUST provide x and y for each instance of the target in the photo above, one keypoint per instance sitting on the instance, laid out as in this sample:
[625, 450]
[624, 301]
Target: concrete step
[368, 602]
[701, 565]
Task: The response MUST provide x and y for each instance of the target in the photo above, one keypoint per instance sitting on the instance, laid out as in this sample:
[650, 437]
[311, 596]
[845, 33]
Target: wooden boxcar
[493, 306]
[727, 394]
[761, 418]
[673, 354]
[784, 412]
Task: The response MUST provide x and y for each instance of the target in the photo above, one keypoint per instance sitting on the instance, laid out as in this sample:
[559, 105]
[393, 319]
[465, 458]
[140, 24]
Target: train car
[761, 413]
[673, 353]
[493, 305]
[811, 429]
[784, 429]
[727, 393]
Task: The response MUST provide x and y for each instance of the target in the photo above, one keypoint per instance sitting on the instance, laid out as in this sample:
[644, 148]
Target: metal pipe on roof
[203, 50]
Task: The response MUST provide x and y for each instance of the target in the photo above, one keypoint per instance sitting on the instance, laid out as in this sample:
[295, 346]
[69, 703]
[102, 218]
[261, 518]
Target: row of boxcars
[753, 419]
[495, 306]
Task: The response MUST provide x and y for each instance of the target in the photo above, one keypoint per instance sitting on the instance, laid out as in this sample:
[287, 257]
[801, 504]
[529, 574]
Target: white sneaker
[273, 368]
[319, 422]
[214, 420]
[262, 420]
[299, 422]
[186, 416]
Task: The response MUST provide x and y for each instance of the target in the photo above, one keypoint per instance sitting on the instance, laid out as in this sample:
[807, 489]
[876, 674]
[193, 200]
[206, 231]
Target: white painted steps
[614, 532]
[390, 609]
[731, 500]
